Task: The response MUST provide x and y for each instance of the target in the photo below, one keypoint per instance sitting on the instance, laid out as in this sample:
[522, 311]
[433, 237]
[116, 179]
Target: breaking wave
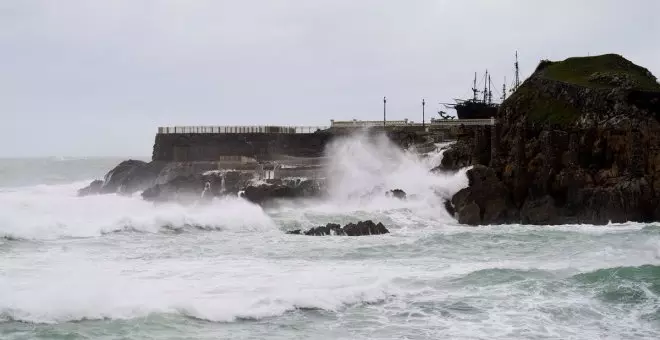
[51, 212]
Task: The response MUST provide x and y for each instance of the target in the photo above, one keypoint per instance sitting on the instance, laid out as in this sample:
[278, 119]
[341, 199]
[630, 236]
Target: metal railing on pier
[240, 129]
[398, 123]
[312, 129]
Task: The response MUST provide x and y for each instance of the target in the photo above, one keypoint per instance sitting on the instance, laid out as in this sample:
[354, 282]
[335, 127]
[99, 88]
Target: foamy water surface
[115, 267]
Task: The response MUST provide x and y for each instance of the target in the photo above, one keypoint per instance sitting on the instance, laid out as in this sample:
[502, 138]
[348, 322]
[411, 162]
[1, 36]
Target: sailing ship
[481, 105]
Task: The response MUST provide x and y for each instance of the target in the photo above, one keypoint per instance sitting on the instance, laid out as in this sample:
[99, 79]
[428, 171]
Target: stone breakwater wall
[190, 147]
[194, 147]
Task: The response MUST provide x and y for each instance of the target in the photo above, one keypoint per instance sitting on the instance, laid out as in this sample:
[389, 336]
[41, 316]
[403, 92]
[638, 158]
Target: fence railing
[457, 122]
[435, 122]
[240, 129]
[312, 129]
[367, 123]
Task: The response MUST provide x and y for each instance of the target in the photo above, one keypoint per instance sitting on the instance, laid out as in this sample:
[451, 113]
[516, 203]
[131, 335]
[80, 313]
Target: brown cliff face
[566, 150]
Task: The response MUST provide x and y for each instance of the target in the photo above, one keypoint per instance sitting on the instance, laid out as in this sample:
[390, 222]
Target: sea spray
[51, 212]
[429, 279]
[362, 167]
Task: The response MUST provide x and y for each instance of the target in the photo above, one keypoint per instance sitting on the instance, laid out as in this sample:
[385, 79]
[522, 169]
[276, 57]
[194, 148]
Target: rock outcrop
[279, 189]
[93, 188]
[193, 188]
[578, 142]
[362, 228]
[131, 176]
[396, 193]
[126, 178]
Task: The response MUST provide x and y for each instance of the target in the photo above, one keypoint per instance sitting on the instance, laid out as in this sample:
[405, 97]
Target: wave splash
[361, 168]
[51, 212]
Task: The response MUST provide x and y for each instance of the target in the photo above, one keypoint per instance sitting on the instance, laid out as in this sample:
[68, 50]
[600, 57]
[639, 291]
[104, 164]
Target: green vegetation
[543, 109]
[603, 71]
[598, 72]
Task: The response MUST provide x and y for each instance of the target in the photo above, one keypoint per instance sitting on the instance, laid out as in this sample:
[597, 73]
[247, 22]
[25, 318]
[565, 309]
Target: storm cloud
[92, 78]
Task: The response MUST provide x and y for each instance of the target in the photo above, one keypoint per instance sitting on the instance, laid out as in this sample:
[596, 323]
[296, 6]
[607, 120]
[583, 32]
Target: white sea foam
[54, 211]
[429, 278]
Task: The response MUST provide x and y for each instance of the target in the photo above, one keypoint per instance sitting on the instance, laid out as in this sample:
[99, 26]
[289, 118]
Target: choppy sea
[116, 267]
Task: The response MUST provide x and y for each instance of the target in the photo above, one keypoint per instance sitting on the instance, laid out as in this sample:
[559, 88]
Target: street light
[423, 118]
[384, 111]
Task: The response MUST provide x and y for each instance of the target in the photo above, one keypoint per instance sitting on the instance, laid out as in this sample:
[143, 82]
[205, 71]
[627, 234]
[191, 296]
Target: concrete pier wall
[212, 147]
[191, 147]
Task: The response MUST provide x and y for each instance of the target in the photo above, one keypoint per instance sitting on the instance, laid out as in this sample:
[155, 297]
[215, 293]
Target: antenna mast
[490, 92]
[504, 90]
[517, 83]
[486, 87]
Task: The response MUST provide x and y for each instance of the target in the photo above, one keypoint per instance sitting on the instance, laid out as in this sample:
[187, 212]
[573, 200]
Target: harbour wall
[192, 147]
[272, 143]
[189, 147]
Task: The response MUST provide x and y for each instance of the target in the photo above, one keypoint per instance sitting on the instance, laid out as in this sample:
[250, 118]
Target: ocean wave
[52, 212]
[626, 285]
[646, 274]
[221, 308]
[498, 276]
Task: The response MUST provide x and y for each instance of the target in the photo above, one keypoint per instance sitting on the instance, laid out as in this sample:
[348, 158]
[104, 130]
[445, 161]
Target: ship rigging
[481, 105]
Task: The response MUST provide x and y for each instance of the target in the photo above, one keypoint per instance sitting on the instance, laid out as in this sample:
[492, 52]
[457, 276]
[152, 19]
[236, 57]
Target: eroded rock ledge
[362, 228]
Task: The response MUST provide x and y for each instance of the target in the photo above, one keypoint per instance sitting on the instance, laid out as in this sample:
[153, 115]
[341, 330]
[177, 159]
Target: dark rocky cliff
[578, 142]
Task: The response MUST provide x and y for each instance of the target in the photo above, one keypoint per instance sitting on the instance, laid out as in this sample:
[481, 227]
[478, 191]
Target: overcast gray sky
[96, 78]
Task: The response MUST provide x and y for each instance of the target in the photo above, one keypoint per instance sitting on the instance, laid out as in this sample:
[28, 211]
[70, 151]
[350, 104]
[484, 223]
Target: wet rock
[396, 193]
[362, 228]
[450, 208]
[200, 187]
[365, 228]
[484, 201]
[329, 229]
[469, 214]
[539, 211]
[275, 190]
[131, 176]
[93, 188]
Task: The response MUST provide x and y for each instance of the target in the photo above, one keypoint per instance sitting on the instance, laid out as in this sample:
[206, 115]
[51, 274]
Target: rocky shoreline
[577, 143]
[194, 181]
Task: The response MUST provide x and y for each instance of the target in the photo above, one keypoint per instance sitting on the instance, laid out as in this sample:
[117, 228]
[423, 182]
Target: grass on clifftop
[603, 71]
[543, 109]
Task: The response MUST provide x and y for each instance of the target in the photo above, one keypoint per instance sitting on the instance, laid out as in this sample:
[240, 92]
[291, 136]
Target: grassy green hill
[597, 72]
[603, 71]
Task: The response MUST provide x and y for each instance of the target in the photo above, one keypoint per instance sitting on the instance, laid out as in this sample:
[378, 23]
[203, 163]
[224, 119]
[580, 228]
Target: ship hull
[475, 110]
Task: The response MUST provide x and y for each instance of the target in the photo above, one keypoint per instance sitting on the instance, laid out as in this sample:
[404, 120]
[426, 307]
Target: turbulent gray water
[111, 267]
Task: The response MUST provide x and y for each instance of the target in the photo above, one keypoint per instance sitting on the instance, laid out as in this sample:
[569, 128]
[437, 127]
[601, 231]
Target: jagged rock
[362, 228]
[329, 229]
[263, 193]
[450, 207]
[539, 211]
[184, 169]
[195, 187]
[93, 188]
[396, 193]
[131, 176]
[469, 214]
[365, 228]
[485, 201]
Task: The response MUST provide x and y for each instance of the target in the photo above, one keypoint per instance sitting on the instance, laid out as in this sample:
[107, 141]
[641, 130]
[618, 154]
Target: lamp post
[384, 111]
[423, 115]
